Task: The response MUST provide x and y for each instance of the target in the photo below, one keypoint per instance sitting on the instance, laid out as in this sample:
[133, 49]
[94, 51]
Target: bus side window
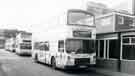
[61, 45]
[46, 46]
[41, 47]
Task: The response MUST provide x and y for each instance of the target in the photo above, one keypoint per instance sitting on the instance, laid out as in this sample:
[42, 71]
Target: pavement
[107, 72]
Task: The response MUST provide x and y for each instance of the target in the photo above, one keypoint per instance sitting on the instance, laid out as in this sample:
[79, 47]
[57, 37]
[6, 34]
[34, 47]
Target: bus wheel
[14, 50]
[53, 63]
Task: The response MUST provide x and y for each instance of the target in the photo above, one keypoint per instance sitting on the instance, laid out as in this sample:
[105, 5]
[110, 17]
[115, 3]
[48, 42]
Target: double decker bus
[23, 43]
[68, 46]
[10, 44]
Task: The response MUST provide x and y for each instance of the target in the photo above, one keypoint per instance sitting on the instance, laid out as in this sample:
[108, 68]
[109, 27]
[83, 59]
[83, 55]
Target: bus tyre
[53, 63]
[14, 50]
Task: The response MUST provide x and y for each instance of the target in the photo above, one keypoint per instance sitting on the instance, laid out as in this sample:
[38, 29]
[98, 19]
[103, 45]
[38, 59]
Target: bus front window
[25, 46]
[79, 46]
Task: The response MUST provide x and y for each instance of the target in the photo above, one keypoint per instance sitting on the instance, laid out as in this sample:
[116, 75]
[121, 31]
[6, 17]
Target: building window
[129, 52]
[131, 22]
[107, 49]
[101, 48]
[126, 40]
[128, 48]
[120, 20]
[97, 48]
[133, 40]
[113, 50]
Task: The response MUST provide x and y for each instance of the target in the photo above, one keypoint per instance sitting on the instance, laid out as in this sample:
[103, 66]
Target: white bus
[23, 43]
[67, 45]
[10, 44]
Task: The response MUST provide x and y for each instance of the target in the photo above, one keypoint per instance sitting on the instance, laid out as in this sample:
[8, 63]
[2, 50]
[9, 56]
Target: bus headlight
[93, 60]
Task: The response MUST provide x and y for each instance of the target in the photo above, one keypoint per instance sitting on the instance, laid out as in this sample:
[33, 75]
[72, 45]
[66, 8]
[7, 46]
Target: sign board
[82, 33]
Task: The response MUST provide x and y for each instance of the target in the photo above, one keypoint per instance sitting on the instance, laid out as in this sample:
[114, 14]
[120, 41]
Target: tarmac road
[13, 65]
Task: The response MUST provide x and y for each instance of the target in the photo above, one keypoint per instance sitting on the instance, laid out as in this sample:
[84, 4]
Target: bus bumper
[25, 52]
[79, 63]
[85, 66]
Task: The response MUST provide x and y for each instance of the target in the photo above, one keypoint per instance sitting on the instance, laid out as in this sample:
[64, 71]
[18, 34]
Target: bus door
[42, 52]
[47, 53]
[61, 56]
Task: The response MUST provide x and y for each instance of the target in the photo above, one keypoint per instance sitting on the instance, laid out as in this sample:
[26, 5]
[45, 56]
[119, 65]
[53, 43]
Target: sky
[38, 15]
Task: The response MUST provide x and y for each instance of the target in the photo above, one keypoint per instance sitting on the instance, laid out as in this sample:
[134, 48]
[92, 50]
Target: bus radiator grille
[82, 61]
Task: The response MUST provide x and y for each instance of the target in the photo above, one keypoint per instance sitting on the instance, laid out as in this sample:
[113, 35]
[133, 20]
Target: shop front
[116, 51]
